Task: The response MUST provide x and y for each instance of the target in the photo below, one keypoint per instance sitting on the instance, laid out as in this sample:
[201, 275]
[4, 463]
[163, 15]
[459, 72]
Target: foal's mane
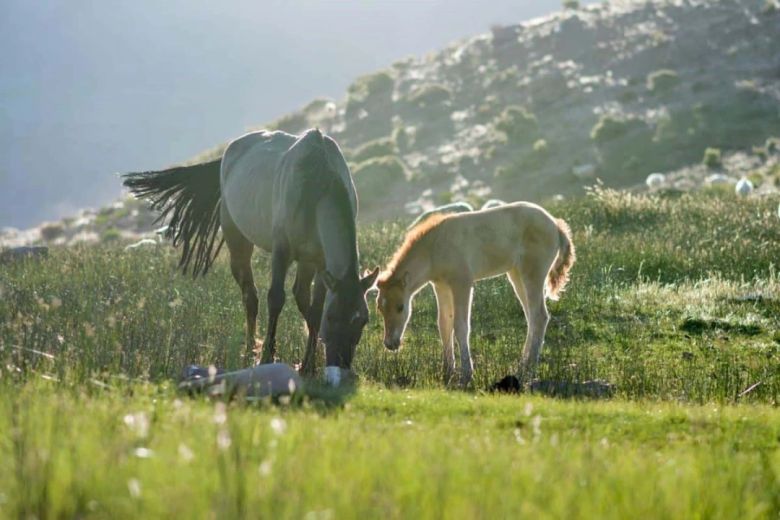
[413, 237]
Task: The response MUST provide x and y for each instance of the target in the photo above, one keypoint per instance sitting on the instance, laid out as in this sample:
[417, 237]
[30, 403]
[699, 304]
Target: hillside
[612, 92]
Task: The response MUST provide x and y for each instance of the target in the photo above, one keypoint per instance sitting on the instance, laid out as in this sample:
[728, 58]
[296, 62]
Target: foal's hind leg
[280, 263]
[461, 294]
[529, 284]
[241, 266]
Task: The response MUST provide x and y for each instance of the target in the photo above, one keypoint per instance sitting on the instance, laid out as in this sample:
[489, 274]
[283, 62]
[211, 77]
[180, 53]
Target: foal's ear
[369, 278]
[405, 280]
[330, 280]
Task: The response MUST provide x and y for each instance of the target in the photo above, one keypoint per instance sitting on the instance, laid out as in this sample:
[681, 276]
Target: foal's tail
[190, 196]
[559, 274]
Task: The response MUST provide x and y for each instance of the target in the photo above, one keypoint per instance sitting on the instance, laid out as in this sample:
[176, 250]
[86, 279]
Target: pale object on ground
[744, 187]
[272, 379]
[716, 179]
[584, 171]
[333, 375]
[655, 180]
[141, 243]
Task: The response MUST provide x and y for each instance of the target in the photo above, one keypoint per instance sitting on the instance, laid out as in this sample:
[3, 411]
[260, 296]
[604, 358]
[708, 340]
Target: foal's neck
[417, 263]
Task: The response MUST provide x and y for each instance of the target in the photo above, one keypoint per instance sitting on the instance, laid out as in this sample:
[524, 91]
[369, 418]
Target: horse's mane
[413, 236]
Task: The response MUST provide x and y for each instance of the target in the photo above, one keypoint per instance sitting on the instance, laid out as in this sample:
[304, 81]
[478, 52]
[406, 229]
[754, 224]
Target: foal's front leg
[446, 317]
[280, 262]
[462, 300]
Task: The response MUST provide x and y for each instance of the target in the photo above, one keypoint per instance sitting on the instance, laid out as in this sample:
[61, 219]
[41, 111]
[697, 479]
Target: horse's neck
[336, 230]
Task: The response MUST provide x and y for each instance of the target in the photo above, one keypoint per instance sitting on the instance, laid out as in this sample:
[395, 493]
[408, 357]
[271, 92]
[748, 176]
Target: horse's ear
[330, 280]
[369, 278]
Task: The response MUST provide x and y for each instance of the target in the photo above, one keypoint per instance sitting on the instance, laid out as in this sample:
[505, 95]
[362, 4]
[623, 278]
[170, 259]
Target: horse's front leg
[446, 317]
[462, 302]
[311, 309]
[280, 262]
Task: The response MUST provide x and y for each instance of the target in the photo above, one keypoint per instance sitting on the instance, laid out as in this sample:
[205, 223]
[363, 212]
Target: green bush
[372, 88]
[374, 177]
[293, 123]
[429, 95]
[571, 4]
[711, 158]
[376, 148]
[518, 124]
[660, 80]
[610, 127]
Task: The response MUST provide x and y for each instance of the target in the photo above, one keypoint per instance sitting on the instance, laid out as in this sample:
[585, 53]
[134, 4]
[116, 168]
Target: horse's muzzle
[392, 344]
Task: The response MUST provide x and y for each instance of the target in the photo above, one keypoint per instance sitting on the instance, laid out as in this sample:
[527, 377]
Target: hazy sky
[90, 88]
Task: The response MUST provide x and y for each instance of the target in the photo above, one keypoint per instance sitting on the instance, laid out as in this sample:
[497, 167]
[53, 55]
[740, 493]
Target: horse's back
[249, 167]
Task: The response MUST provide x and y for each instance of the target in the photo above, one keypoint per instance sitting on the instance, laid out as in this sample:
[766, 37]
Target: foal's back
[491, 242]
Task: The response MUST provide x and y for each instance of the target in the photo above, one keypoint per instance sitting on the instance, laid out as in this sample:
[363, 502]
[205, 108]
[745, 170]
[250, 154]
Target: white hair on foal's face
[395, 306]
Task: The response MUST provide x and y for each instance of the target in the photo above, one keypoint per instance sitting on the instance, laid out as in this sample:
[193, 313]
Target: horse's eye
[400, 308]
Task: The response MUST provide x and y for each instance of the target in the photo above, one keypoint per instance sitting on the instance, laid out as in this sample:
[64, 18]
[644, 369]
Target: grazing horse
[292, 196]
[453, 251]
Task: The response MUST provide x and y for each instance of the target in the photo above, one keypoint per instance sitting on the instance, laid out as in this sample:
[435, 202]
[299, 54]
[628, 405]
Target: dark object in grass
[268, 380]
[509, 385]
[15, 254]
[594, 389]
[699, 326]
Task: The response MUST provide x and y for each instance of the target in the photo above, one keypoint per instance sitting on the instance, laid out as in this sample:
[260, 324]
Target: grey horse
[292, 196]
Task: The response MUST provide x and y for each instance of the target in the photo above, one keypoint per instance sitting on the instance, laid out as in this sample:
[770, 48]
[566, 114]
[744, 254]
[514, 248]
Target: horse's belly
[250, 209]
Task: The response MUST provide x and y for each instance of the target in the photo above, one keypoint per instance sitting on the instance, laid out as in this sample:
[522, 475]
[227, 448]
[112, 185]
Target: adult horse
[292, 196]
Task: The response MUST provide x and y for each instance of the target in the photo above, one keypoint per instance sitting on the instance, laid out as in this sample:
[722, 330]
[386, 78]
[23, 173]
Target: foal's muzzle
[392, 344]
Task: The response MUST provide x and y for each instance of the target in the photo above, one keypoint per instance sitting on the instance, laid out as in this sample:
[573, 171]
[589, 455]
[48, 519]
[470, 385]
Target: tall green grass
[672, 297]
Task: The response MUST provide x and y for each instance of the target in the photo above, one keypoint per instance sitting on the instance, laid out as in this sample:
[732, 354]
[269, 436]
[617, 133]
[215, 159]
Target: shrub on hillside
[376, 177]
[712, 158]
[293, 123]
[376, 148]
[371, 88]
[571, 4]
[430, 94]
[518, 124]
[610, 127]
[663, 79]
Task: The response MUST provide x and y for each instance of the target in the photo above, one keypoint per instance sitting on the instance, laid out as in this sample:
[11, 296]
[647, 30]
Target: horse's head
[394, 302]
[344, 316]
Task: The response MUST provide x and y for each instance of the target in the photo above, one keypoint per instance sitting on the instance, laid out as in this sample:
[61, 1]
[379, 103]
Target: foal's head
[394, 302]
[344, 316]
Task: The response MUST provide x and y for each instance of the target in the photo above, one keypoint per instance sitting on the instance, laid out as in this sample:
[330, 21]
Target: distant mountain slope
[616, 91]
[612, 91]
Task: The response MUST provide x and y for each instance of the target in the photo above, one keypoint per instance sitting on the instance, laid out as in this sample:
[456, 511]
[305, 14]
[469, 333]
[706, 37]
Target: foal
[453, 251]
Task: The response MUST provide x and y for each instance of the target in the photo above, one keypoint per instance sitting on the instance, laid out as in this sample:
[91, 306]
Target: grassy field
[675, 300]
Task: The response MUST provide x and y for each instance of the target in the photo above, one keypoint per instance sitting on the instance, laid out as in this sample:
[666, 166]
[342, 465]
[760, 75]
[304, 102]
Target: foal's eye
[400, 308]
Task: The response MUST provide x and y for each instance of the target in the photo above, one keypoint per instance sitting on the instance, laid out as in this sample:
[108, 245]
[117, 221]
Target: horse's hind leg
[529, 283]
[241, 266]
[280, 263]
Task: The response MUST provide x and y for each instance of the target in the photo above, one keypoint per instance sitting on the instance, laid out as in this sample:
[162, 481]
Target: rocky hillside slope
[614, 92]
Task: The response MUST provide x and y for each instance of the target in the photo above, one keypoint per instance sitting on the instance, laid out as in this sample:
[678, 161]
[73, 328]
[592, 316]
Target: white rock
[744, 187]
[141, 243]
[655, 180]
[717, 179]
[584, 171]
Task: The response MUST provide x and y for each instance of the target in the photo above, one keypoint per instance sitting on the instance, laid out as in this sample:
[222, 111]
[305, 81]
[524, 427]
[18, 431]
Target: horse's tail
[559, 274]
[189, 197]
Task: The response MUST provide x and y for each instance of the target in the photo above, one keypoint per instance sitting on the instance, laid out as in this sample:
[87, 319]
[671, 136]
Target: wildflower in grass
[278, 425]
[141, 303]
[536, 424]
[134, 487]
[111, 321]
[223, 439]
[265, 468]
[138, 423]
[143, 453]
[220, 413]
[89, 330]
[185, 453]
[42, 304]
[174, 303]
[56, 303]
